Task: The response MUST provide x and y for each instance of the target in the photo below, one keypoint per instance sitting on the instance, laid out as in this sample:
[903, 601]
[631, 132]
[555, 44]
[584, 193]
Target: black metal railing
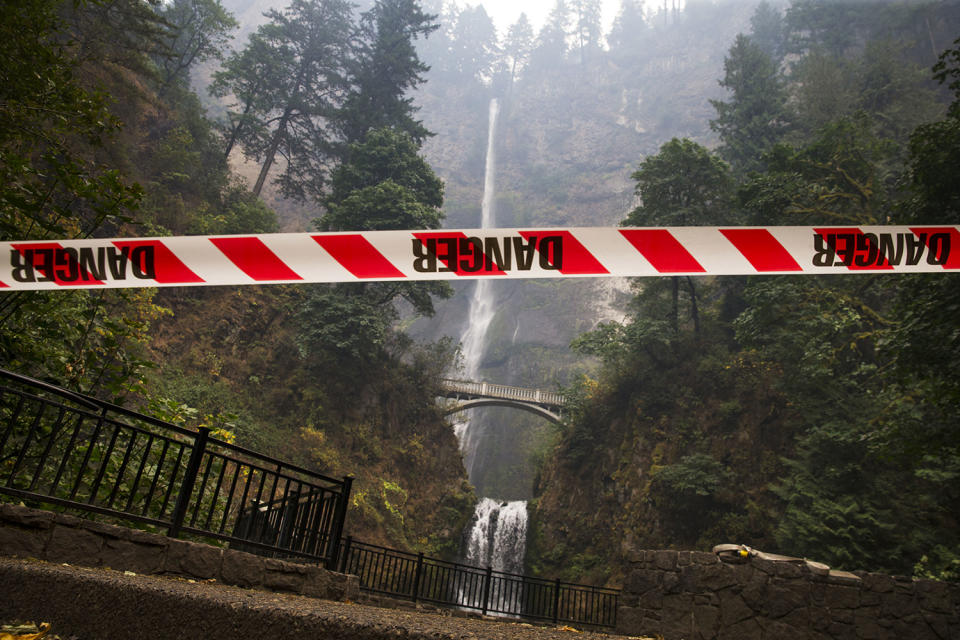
[68, 449]
[421, 578]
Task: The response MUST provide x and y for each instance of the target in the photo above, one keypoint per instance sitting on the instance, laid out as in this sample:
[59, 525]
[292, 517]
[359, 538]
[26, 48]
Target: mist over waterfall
[497, 537]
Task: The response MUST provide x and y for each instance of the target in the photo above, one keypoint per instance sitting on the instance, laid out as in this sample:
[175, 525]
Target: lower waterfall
[498, 537]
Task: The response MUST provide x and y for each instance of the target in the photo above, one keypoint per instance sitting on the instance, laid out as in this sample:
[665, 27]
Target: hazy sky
[506, 12]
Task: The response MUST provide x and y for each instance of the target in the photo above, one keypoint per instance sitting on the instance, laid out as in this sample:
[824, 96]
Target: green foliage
[822, 410]
[83, 340]
[288, 83]
[686, 492]
[199, 31]
[756, 116]
[342, 325]
[683, 184]
[51, 180]
[386, 69]
[385, 156]
[696, 476]
[767, 31]
[517, 45]
[842, 176]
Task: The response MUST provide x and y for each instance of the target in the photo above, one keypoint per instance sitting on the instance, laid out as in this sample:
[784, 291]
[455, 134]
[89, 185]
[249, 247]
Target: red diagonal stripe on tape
[55, 263]
[255, 259]
[662, 250]
[358, 256]
[761, 249]
[459, 253]
[156, 261]
[952, 248]
[854, 249]
[573, 258]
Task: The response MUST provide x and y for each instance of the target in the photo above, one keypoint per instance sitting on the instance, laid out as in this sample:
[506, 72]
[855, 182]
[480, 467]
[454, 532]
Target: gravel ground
[90, 604]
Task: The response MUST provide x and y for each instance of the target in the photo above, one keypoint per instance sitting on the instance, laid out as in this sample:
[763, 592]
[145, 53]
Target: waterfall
[498, 534]
[481, 309]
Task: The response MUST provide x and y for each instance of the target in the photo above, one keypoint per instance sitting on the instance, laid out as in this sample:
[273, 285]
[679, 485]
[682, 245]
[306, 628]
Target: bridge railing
[67, 449]
[491, 390]
[421, 578]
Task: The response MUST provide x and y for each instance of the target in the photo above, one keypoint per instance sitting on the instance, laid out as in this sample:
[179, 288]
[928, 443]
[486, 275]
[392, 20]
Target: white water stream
[499, 530]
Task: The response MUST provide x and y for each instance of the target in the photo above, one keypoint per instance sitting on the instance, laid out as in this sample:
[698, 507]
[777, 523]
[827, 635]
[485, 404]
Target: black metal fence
[63, 448]
[68, 449]
[420, 578]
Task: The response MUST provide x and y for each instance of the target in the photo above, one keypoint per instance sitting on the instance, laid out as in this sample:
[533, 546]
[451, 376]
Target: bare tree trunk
[675, 320]
[235, 132]
[694, 313]
[271, 152]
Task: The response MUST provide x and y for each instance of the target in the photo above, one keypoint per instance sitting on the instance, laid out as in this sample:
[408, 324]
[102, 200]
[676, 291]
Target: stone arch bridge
[469, 395]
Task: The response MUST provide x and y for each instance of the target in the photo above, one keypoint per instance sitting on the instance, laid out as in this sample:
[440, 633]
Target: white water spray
[498, 538]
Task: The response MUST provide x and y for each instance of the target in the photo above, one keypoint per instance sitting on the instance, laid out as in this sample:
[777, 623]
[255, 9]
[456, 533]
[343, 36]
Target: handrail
[98, 457]
[502, 391]
[418, 577]
[90, 403]
[95, 403]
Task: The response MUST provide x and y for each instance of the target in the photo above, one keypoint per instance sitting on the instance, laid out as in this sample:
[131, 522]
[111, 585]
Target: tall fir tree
[200, 30]
[756, 117]
[626, 34]
[517, 46]
[551, 46]
[683, 184]
[386, 70]
[290, 81]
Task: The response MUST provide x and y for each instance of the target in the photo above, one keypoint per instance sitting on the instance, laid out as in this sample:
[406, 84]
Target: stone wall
[688, 595]
[57, 537]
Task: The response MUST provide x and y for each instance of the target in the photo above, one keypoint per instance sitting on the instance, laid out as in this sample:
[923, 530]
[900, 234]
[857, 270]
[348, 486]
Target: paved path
[93, 604]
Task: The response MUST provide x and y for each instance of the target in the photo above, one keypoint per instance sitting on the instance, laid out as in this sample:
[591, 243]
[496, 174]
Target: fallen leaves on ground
[28, 631]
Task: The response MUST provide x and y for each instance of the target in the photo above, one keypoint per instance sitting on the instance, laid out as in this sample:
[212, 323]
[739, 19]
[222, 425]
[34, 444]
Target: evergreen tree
[821, 92]
[626, 34]
[517, 46]
[766, 30]
[305, 50]
[245, 78]
[200, 31]
[386, 70]
[551, 48]
[684, 184]
[756, 117]
[386, 155]
[587, 30]
[382, 183]
[473, 44]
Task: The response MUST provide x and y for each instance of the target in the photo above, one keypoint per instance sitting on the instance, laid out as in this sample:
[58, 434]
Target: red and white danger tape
[476, 253]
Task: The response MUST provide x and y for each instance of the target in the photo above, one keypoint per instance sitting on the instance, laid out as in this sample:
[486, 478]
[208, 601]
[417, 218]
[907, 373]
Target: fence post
[189, 480]
[416, 576]
[339, 516]
[487, 579]
[345, 558]
[556, 601]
